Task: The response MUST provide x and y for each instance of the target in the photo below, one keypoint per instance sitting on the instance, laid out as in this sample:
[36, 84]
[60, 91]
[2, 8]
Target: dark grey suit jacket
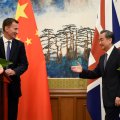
[20, 64]
[110, 77]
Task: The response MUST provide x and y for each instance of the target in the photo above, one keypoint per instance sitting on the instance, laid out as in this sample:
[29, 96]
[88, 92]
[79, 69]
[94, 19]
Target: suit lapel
[13, 49]
[112, 56]
[2, 49]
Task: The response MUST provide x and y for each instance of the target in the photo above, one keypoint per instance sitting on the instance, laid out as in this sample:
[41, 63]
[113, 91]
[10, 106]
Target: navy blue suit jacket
[19, 64]
[110, 77]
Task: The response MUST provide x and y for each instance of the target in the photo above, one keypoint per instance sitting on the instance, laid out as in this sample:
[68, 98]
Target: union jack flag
[107, 19]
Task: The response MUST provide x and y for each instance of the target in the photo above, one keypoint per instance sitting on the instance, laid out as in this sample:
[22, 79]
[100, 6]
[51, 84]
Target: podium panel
[1, 98]
[4, 81]
[69, 104]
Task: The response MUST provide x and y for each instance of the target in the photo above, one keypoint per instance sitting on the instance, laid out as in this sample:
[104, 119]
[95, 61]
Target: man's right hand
[77, 69]
[1, 69]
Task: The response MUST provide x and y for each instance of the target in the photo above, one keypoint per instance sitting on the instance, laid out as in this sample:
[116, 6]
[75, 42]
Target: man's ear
[6, 28]
[110, 40]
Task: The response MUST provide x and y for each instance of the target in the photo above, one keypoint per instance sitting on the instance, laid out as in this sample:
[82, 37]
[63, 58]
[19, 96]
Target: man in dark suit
[107, 68]
[14, 52]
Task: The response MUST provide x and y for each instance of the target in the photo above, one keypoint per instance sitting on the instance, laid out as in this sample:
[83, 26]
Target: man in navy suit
[17, 55]
[107, 69]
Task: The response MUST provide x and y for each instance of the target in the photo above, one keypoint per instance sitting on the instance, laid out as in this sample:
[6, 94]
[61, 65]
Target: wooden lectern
[4, 81]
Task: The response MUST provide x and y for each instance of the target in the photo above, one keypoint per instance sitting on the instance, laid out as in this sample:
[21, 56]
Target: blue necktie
[105, 60]
[8, 51]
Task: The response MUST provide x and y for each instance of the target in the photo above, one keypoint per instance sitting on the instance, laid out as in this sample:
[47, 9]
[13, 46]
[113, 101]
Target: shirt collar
[5, 40]
[110, 50]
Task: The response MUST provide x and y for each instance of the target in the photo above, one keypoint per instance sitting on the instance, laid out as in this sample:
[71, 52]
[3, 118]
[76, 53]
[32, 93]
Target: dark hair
[108, 34]
[8, 22]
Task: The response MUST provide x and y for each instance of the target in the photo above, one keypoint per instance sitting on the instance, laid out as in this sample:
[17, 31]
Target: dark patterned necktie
[8, 51]
[105, 60]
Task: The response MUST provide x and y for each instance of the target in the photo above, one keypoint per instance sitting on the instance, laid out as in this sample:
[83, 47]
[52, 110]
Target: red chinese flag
[35, 101]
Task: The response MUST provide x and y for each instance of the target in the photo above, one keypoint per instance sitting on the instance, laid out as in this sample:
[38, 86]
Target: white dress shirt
[109, 52]
[6, 44]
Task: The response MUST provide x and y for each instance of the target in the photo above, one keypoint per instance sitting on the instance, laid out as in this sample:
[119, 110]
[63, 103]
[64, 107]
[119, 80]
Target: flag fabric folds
[106, 19]
[35, 101]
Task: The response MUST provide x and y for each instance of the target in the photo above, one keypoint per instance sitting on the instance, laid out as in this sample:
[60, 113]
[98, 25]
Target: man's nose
[17, 31]
[99, 42]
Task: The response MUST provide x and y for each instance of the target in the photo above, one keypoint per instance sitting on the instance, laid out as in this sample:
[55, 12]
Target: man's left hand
[10, 72]
[117, 101]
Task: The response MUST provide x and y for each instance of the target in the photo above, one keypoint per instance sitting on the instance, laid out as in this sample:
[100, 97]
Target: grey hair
[108, 34]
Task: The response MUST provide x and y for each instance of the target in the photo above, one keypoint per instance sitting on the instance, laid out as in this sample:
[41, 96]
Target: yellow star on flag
[28, 41]
[21, 11]
[37, 33]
